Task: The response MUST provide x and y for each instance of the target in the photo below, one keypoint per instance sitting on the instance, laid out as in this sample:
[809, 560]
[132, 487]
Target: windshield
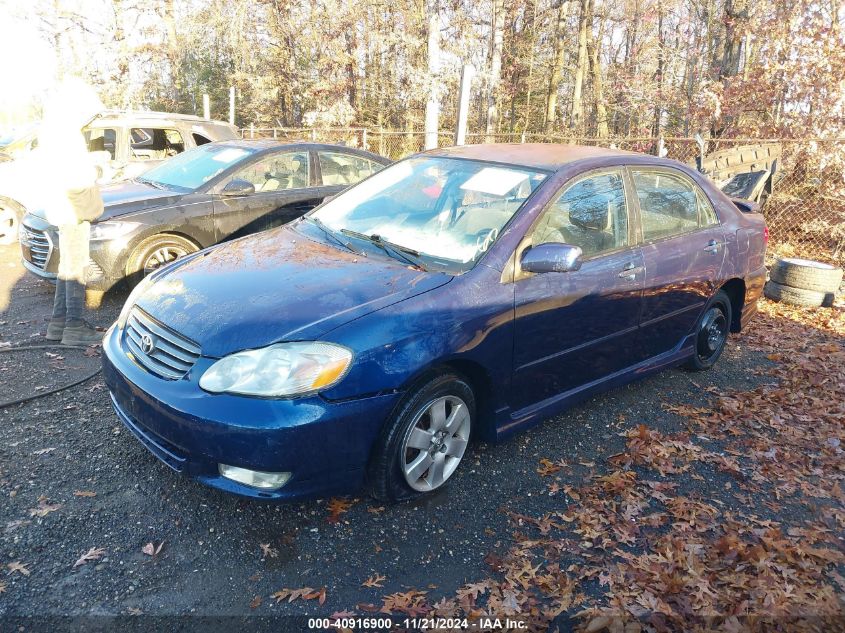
[195, 167]
[449, 210]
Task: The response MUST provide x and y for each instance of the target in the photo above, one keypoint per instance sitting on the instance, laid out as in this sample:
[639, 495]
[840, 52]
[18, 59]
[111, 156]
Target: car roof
[266, 145]
[549, 156]
[129, 117]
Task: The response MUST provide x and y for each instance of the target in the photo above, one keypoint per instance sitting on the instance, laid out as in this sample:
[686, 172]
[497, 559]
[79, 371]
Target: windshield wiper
[329, 233]
[151, 183]
[408, 255]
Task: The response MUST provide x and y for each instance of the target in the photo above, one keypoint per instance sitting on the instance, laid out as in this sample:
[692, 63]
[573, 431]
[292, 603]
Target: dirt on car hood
[274, 286]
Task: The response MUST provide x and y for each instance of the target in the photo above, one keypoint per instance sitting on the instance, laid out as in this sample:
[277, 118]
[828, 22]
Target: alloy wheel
[161, 256]
[435, 443]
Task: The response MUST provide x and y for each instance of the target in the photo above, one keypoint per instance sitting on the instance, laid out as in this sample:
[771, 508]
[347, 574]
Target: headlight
[111, 230]
[136, 293]
[285, 369]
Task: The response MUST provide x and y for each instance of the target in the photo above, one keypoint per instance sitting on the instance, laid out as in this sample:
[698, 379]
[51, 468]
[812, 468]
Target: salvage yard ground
[684, 495]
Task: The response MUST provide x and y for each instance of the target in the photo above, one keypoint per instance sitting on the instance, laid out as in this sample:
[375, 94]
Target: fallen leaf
[44, 508]
[18, 567]
[256, 602]
[151, 550]
[303, 593]
[95, 553]
[374, 581]
[84, 493]
[337, 507]
[267, 551]
[91, 352]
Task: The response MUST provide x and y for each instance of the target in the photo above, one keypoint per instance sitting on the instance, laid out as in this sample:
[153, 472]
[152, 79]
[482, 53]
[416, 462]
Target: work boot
[55, 329]
[82, 333]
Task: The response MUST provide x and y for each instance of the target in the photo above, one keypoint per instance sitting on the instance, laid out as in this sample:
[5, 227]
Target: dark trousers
[68, 302]
[70, 285]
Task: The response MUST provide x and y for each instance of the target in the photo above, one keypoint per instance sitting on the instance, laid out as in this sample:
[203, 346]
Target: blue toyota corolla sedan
[461, 293]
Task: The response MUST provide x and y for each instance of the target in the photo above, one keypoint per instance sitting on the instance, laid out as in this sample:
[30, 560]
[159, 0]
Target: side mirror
[238, 187]
[551, 257]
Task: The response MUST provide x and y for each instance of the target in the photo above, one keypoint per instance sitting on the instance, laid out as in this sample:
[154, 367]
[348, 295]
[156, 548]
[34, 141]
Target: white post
[206, 107]
[432, 105]
[463, 104]
[232, 105]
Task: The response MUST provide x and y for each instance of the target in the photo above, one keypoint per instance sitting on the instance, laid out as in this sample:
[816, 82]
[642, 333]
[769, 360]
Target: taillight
[765, 235]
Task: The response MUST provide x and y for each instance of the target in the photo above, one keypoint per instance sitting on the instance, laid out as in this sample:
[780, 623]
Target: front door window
[590, 214]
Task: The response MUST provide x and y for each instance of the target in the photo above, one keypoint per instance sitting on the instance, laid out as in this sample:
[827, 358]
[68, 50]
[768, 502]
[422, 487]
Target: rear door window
[670, 204]
[339, 168]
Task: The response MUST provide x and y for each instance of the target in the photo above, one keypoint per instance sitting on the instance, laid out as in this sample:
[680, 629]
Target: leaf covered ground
[682, 502]
[641, 544]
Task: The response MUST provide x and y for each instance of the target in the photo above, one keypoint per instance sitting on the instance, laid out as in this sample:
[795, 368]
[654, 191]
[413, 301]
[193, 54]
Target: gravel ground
[67, 457]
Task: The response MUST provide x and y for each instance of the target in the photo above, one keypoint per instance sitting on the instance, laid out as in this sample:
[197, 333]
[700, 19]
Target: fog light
[254, 478]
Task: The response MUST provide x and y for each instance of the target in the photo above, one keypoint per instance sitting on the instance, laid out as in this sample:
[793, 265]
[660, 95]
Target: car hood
[275, 286]
[129, 196]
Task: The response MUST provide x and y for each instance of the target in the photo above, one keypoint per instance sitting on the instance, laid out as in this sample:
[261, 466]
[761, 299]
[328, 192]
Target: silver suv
[123, 145]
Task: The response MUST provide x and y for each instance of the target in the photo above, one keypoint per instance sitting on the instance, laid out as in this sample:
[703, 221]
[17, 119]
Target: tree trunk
[658, 74]
[577, 111]
[594, 53]
[526, 119]
[557, 67]
[497, 36]
[496, 46]
[736, 17]
[172, 48]
[432, 104]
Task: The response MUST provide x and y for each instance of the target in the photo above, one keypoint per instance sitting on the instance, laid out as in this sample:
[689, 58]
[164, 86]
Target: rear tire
[425, 440]
[154, 252]
[711, 333]
[794, 296]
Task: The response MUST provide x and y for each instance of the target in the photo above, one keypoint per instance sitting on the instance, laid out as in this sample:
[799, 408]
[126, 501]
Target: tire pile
[803, 282]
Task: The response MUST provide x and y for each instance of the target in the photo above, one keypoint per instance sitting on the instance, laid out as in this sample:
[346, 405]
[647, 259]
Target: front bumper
[39, 241]
[325, 445]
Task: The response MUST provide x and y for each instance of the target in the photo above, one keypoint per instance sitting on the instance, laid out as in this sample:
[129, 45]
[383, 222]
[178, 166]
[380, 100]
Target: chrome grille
[39, 245]
[157, 348]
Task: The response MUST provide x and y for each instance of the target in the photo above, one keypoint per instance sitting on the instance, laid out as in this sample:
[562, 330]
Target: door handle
[630, 271]
[712, 246]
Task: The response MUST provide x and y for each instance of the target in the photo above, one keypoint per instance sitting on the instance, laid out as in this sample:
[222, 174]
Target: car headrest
[590, 213]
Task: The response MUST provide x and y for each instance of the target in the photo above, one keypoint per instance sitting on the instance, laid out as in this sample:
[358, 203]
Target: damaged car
[463, 293]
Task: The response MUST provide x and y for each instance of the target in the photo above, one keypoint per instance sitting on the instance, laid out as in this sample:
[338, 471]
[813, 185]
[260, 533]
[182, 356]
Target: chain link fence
[804, 209]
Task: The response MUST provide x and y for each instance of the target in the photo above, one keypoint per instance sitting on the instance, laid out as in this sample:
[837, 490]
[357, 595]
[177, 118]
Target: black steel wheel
[711, 333]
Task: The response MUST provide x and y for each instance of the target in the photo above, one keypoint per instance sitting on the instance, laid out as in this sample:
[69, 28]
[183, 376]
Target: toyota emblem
[148, 344]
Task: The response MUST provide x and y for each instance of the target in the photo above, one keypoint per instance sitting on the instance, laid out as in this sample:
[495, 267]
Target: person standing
[72, 201]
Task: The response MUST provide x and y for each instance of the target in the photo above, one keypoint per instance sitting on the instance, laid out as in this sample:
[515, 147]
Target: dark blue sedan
[458, 294]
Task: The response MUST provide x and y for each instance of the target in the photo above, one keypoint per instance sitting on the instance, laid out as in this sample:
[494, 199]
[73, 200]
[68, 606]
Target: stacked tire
[803, 282]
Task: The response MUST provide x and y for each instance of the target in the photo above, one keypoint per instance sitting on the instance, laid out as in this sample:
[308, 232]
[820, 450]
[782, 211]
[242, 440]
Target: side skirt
[510, 423]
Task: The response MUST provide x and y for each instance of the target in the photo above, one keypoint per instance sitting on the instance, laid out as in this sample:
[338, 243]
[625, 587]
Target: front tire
[154, 252]
[711, 333]
[11, 214]
[425, 440]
